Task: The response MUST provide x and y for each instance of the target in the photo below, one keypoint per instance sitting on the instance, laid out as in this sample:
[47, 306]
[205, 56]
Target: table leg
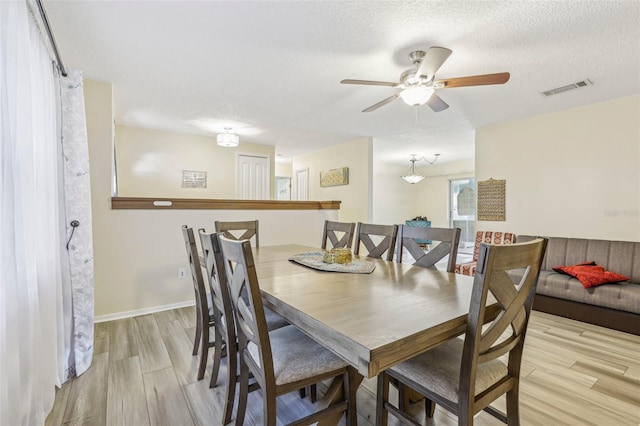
[335, 393]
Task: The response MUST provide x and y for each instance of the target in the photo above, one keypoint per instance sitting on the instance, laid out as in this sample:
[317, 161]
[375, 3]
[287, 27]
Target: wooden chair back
[202, 305]
[330, 231]
[448, 239]
[251, 325]
[250, 228]
[225, 329]
[486, 343]
[216, 276]
[387, 244]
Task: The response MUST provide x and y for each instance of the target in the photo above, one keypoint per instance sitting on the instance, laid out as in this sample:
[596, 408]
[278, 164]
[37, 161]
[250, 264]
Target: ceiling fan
[418, 84]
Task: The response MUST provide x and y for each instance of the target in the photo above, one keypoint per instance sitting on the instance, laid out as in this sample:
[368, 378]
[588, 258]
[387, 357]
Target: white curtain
[37, 312]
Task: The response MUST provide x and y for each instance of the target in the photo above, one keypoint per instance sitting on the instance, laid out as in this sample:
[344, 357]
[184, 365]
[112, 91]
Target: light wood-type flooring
[143, 374]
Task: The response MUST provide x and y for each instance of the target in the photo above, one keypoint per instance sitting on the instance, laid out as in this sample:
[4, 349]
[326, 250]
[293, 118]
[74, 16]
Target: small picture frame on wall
[335, 177]
[194, 179]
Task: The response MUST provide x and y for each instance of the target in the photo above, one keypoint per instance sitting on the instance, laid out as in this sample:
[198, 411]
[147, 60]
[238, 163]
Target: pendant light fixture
[414, 176]
[228, 139]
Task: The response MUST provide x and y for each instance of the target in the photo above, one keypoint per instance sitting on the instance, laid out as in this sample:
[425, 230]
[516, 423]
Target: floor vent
[568, 87]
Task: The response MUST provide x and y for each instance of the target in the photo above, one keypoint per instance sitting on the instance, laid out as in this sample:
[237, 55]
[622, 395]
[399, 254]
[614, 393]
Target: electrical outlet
[182, 272]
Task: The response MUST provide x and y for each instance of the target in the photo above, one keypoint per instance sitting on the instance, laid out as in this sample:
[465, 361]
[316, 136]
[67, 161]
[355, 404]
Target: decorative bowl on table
[337, 255]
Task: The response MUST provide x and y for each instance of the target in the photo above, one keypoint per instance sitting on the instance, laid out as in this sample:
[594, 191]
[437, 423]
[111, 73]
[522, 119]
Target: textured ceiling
[271, 69]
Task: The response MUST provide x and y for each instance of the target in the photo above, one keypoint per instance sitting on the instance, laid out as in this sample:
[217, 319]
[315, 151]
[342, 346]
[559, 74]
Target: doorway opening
[462, 211]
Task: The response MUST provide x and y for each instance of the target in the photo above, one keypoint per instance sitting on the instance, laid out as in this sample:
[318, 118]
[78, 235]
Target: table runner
[314, 260]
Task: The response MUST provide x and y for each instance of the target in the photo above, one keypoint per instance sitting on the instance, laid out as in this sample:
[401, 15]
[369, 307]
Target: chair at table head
[448, 239]
[488, 237]
[339, 234]
[465, 376]
[248, 227]
[386, 234]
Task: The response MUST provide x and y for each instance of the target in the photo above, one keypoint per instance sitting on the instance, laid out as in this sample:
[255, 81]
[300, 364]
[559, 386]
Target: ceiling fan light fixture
[227, 139]
[417, 95]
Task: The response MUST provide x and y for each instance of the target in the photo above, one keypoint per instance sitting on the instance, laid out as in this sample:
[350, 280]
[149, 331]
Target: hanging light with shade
[227, 139]
[414, 176]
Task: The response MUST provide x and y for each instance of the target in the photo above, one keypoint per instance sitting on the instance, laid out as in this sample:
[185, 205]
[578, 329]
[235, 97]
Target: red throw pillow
[590, 274]
[573, 270]
[591, 277]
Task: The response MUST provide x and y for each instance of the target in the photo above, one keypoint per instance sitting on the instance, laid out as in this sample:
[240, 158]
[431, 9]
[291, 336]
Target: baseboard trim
[143, 311]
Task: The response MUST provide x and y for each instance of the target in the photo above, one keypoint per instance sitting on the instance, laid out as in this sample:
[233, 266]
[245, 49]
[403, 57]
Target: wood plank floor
[143, 374]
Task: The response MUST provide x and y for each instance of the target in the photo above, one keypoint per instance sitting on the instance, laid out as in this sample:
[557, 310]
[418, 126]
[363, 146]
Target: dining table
[372, 320]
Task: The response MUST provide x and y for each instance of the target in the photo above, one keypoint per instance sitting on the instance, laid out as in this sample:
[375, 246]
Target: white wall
[356, 196]
[574, 173]
[150, 163]
[137, 253]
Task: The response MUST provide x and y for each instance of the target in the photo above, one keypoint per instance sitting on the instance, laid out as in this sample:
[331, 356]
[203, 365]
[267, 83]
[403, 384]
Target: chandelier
[414, 176]
[227, 139]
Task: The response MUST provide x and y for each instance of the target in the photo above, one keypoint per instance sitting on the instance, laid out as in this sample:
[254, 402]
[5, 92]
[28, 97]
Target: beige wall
[283, 168]
[574, 173]
[395, 200]
[150, 163]
[356, 196]
[137, 253]
[433, 196]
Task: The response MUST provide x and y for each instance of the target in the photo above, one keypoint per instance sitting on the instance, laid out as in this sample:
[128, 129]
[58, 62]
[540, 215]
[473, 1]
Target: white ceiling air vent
[568, 87]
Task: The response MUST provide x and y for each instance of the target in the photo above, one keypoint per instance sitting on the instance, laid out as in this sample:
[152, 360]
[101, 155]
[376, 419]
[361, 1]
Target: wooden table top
[372, 320]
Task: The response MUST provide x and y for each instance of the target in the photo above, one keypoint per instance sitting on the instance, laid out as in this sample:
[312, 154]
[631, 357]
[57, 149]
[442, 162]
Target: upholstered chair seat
[439, 370]
[296, 356]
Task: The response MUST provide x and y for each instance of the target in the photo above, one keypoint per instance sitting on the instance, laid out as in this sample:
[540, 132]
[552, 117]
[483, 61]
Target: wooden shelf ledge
[136, 203]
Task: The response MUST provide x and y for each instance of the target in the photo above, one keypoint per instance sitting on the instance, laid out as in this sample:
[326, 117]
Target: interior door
[253, 177]
[302, 184]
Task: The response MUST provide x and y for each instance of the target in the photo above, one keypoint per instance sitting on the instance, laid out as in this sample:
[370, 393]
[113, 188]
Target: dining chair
[283, 360]
[225, 343]
[225, 329]
[465, 375]
[448, 239]
[489, 237]
[385, 236]
[340, 234]
[204, 311]
[250, 228]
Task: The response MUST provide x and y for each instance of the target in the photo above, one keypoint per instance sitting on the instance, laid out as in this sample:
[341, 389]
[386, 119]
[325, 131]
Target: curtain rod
[52, 39]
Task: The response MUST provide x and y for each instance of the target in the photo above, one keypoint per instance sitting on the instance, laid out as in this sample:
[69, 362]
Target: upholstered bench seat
[613, 305]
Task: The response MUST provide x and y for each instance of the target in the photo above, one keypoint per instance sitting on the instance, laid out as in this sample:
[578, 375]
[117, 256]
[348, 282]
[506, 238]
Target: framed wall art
[492, 200]
[194, 179]
[335, 177]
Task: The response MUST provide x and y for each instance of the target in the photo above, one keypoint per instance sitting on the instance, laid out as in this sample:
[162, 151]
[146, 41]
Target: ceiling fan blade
[382, 103]
[474, 80]
[432, 61]
[369, 82]
[436, 103]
